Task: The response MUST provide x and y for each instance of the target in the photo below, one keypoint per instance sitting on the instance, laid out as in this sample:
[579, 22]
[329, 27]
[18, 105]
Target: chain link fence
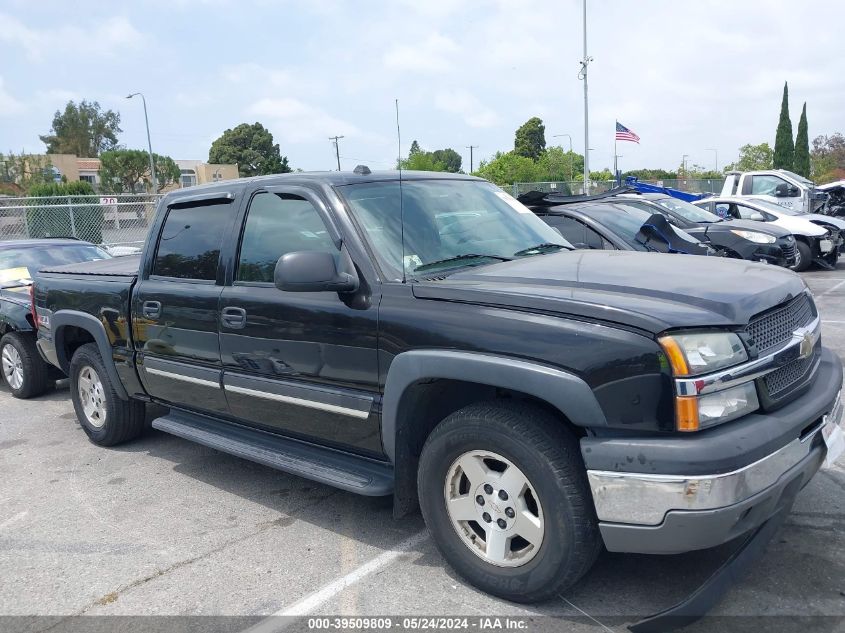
[689, 185]
[118, 222]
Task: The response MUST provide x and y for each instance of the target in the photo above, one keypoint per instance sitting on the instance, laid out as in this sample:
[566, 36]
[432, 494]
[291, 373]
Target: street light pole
[582, 74]
[570, 152]
[716, 152]
[684, 164]
[149, 142]
[336, 148]
[470, 148]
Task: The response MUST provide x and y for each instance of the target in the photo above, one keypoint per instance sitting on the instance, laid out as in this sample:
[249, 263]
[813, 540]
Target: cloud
[9, 106]
[435, 54]
[108, 36]
[474, 113]
[299, 122]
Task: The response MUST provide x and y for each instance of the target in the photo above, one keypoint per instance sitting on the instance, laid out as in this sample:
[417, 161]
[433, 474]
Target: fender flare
[563, 390]
[64, 318]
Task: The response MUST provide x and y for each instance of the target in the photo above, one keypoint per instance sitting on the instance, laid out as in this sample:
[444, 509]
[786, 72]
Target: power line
[336, 148]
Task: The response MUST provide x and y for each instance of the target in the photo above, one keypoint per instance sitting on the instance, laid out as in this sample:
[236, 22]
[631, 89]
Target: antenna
[401, 196]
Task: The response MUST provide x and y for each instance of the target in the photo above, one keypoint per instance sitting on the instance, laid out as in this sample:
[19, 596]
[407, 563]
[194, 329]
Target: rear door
[298, 363]
[175, 304]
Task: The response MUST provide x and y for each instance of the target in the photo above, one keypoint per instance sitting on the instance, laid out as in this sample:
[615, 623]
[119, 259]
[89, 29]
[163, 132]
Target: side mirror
[757, 217]
[312, 271]
[782, 190]
[794, 192]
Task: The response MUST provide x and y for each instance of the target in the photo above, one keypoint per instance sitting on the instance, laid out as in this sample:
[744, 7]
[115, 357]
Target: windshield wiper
[540, 248]
[459, 258]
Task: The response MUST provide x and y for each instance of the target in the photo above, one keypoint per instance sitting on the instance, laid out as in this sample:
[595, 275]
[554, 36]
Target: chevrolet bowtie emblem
[806, 349]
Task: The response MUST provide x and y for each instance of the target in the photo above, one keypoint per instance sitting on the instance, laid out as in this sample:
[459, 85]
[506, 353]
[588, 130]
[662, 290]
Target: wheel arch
[72, 329]
[425, 386]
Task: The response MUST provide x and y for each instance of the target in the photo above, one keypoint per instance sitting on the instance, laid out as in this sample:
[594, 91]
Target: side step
[341, 470]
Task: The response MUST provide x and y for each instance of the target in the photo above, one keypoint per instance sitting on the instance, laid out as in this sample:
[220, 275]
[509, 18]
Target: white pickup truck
[779, 186]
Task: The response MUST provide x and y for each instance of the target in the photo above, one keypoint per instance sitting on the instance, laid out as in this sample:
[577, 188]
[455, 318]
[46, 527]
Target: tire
[803, 256]
[25, 373]
[104, 416]
[542, 450]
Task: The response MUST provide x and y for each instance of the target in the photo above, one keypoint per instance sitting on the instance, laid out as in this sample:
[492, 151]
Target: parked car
[777, 186]
[24, 371]
[741, 239]
[818, 238]
[617, 226]
[836, 198]
[535, 401]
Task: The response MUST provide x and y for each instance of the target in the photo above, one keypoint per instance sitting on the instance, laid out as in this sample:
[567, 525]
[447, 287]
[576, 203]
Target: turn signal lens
[677, 358]
[686, 413]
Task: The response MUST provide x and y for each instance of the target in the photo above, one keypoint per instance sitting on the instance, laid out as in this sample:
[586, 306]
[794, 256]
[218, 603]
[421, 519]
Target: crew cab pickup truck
[428, 337]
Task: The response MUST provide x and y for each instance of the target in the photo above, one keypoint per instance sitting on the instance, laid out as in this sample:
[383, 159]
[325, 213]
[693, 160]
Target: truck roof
[334, 178]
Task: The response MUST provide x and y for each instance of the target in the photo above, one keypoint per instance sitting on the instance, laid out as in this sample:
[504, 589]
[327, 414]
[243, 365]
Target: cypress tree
[784, 147]
[802, 146]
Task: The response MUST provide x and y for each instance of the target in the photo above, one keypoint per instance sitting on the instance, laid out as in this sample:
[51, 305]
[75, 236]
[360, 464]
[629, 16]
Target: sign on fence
[108, 200]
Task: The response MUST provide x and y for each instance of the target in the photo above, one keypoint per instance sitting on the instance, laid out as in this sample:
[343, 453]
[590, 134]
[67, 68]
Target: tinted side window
[277, 224]
[189, 246]
[574, 232]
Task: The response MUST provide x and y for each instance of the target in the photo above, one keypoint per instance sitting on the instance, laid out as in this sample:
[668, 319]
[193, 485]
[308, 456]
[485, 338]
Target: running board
[334, 468]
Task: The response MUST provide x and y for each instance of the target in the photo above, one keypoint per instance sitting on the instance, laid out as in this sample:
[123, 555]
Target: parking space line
[13, 519]
[834, 322]
[313, 601]
[829, 290]
[580, 610]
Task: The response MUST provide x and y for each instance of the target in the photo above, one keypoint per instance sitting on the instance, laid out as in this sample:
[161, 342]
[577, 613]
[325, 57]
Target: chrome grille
[774, 328]
[783, 378]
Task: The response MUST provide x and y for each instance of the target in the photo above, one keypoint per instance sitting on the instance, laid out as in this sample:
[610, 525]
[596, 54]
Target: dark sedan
[742, 239]
[618, 226]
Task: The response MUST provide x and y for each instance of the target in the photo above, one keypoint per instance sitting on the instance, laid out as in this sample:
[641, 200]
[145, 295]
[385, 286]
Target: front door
[174, 307]
[299, 363]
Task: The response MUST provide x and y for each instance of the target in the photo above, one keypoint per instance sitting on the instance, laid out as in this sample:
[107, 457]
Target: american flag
[624, 134]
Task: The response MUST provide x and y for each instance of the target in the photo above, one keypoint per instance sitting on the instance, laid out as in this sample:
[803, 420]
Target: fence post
[72, 218]
[515, 190]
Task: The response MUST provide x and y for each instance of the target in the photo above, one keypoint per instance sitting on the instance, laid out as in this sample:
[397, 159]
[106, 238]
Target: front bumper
[676, 494]
[781, 253]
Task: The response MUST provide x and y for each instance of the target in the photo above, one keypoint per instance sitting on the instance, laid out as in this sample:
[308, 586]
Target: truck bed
[126, 266]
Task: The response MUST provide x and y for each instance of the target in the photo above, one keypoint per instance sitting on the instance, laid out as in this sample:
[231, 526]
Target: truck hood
[649, 291]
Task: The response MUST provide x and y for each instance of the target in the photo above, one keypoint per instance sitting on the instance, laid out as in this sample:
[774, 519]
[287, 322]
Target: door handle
[233, 318]
[151, 309]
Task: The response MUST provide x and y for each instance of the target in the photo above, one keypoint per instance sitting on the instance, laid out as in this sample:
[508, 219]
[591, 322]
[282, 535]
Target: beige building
[194, 172]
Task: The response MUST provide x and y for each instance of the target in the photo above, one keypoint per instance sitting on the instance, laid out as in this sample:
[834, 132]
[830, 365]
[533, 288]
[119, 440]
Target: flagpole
[615, 155]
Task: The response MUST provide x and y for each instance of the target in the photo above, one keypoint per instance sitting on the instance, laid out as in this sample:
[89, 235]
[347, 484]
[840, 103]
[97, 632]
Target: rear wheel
[503, 490]
[104, 416]
[23, 370]
[803, 256]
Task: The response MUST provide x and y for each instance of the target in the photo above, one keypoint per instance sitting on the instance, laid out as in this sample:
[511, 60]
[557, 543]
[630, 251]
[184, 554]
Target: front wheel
[503, 490]
[803, 256]
[104, 416]
[23, 370]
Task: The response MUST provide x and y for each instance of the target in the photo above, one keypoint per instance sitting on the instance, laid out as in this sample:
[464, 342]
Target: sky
[688, 77]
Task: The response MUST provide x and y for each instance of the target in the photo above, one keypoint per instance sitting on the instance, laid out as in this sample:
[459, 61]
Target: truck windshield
[447, 224]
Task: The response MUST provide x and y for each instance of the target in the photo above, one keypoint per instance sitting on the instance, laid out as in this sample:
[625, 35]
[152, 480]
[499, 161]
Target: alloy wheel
[494, 508]
[12, 366]
[92, 396]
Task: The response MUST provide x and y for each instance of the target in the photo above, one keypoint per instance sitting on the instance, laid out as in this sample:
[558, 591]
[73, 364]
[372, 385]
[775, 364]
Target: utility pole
[582, 74]
[716, 153]
[470, 148]
[684, 164]
[336, 148]
[570, 152]
[149, 143]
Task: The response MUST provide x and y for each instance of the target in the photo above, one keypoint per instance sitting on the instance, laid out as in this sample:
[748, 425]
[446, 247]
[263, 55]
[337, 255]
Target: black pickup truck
[430, 338]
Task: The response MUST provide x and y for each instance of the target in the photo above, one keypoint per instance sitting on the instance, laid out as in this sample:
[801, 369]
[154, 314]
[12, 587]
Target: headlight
[693, 413]
[753, 236]
[694, 353]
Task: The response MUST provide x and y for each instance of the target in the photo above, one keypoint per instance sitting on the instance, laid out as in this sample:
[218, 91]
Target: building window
[189, 178]
[92, 180]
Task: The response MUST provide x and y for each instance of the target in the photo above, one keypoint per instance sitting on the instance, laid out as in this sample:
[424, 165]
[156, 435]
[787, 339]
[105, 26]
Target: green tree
[84, 130]
[167, 171]
[828, 157]
[449, 157]
[506, 168]
[22, 171]
[415, 148]
[123, 170]
[651, 174]
[252, 148]
[422, 161]
[530, 139]
[752, 158]
[784, 156]
[802, 146]
[558, 165]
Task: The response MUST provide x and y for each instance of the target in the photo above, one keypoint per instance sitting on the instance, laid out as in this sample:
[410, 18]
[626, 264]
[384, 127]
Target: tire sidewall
[28, 357]
[804, 256]
[555, 553]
